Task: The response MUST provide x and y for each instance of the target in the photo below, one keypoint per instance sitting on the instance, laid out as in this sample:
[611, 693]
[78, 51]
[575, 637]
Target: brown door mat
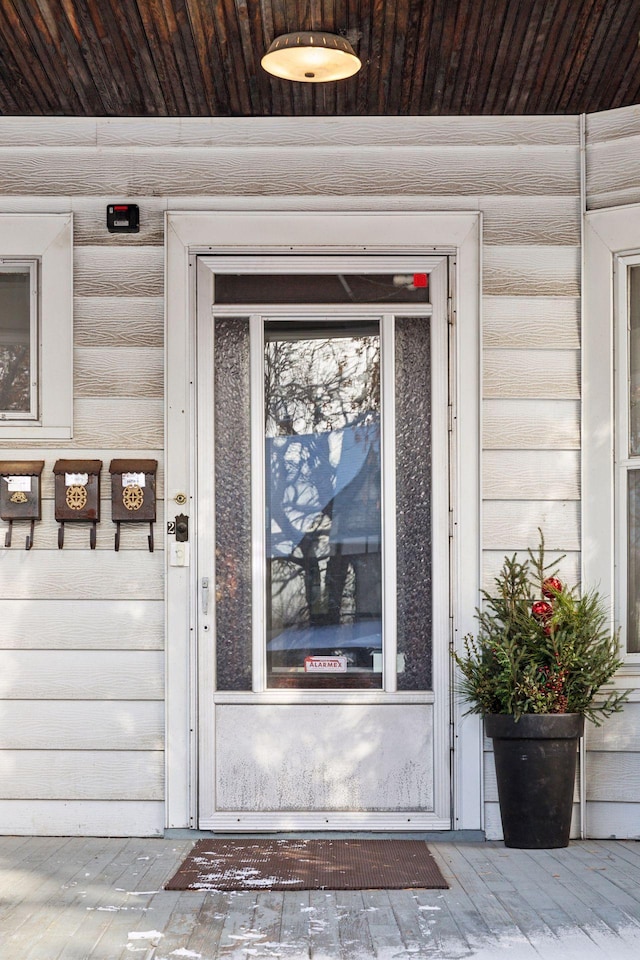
[308, 865]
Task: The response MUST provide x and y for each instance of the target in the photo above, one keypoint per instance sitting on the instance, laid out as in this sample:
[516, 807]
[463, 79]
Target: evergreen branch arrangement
[541, 647]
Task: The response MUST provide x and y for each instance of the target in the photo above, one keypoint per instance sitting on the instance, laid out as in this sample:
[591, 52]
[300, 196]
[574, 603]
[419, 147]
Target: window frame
[610, 236]
[48, 240]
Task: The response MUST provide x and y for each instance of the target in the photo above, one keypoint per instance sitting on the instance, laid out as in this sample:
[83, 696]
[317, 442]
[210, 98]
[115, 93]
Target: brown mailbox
[133, 494]
[77, 491]
[20, 494]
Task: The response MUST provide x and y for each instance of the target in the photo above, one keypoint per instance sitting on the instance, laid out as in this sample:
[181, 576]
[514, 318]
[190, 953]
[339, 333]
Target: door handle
[204, 583]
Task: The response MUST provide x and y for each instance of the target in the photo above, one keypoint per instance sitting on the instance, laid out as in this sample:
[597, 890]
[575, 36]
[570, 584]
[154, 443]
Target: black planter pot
[535, 769]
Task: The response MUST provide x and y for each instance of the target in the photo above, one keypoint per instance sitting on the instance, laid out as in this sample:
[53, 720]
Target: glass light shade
[313, 57]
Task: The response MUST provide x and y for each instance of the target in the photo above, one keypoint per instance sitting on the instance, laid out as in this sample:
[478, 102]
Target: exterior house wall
[82, 632]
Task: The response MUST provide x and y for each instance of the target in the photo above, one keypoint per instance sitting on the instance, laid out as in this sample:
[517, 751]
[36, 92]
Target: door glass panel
[322, 288]
[413, 502]
[633, 562]
[323, 504]
[634, 361]
[15, 341]
[232, 446]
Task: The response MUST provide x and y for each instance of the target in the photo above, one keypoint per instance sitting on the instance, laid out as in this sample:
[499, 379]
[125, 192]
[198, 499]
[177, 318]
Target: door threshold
[430, 836]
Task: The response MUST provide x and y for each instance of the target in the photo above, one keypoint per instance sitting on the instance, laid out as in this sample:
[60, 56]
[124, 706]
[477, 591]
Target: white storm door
[322, 553]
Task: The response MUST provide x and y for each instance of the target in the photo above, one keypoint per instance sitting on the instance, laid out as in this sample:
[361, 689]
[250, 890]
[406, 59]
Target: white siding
[613, 158]
[103, 608]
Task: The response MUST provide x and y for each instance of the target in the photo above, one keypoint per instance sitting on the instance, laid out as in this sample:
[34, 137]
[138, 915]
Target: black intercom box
[123, 218]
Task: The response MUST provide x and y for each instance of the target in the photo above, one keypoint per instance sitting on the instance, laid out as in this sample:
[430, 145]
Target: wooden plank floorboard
[353, 930]
[381, 921]
[441, 923]
[208, 924]
[296, 921]
[182, 919]
[237, 929]
[324, 940]
[267, 917]
[414, 928]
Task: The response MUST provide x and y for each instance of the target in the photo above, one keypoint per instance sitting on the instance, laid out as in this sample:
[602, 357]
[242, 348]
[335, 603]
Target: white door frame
[191, 233]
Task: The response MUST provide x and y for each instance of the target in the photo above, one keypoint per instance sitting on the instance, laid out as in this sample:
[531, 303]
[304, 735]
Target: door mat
[308, 865]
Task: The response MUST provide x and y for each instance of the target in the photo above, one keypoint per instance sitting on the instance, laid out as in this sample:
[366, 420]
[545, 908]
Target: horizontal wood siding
[112, 624]
[82, 725]
[90, 818]
[613, 158]
[81, 775]
[521, 173]
[541, 169]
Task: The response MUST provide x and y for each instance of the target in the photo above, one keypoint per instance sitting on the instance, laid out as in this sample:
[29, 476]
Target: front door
[322, 543]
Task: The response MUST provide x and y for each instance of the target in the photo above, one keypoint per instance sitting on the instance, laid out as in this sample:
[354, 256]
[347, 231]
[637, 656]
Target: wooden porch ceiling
[184, 58]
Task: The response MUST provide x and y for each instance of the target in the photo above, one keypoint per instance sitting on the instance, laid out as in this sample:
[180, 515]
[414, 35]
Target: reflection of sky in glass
[322, 451]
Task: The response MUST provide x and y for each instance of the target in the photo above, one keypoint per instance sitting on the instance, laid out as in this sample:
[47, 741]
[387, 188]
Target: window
[323, 497]
[628, 442]
[36, 327]
[18, 340]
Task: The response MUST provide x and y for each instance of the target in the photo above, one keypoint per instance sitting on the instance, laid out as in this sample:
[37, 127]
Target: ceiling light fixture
[311, 57]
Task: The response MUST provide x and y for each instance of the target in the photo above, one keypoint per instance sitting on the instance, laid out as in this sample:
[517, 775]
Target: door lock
[182, 528]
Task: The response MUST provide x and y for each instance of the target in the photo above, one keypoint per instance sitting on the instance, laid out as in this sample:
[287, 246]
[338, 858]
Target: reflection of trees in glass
[15, 361]
[315, 385]
[14, 377]
[322, 393]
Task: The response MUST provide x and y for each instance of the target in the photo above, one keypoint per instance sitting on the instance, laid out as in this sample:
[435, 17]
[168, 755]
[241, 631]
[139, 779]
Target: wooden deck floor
[92, 899]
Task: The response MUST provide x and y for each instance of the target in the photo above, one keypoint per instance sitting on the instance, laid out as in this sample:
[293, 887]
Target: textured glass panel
[232, 503]
[413, 502]
[633, 563]
[323, 523]
[322, 288]
[15, 341]
[634, 361]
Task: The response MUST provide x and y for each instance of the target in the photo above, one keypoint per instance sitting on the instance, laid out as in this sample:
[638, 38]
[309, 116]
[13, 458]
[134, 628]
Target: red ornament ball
[541, 610]
[551, 587]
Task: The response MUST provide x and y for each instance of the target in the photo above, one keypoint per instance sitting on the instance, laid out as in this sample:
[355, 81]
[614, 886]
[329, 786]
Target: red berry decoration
[551, 587]
[541, 610]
